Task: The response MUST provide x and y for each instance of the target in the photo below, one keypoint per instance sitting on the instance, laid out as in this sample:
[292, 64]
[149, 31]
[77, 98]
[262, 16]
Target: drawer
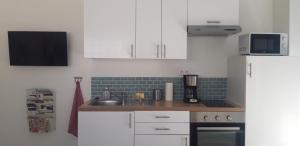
[162, 116]
[162, 140]
[162, 128]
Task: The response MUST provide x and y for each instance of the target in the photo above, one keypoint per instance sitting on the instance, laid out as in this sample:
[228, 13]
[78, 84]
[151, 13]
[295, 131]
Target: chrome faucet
[106, 93]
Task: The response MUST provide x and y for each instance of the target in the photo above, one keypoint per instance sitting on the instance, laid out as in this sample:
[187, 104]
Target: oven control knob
[205, 117]
[229, 118]
[218, 118]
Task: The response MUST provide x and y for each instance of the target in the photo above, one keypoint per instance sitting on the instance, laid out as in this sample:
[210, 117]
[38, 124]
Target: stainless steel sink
[108, 102]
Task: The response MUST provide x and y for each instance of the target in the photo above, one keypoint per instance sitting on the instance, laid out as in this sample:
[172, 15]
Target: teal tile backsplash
[208, 89]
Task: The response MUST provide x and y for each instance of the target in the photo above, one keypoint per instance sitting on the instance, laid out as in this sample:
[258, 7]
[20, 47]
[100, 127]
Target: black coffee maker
[190, 88]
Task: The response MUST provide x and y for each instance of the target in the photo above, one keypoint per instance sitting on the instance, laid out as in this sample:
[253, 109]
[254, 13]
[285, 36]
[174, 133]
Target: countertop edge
[160, 106]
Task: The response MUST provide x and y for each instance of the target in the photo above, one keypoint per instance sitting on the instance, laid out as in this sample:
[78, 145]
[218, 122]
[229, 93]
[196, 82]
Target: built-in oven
[217, 129]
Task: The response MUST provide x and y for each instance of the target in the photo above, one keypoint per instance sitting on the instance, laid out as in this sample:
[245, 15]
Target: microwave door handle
[218, 128]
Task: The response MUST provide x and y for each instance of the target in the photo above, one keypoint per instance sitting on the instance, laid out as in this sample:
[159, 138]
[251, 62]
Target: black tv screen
[29, 48]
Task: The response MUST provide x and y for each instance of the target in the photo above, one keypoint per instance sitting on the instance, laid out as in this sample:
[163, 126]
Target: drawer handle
[162, 117]
[162, 129]
[213, 22]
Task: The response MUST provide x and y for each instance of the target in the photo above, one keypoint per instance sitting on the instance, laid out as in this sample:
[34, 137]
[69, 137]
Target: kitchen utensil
[157, 94]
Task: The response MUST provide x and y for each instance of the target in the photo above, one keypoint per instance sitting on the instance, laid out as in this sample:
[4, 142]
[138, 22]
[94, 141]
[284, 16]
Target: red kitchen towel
[78, 100]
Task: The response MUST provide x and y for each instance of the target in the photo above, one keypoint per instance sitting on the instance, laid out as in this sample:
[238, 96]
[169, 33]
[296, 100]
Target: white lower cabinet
[106, 129]
[162, 128]
[162, 140]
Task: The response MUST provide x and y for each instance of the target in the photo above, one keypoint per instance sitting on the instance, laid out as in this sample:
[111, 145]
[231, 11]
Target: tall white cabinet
[109, 28]
[137, 29]
[106, 129]
[270, 87]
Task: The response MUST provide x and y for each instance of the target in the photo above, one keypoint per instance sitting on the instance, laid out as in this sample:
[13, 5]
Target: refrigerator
[269, 89]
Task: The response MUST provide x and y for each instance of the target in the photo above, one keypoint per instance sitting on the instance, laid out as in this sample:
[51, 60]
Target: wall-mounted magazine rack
[41, 110]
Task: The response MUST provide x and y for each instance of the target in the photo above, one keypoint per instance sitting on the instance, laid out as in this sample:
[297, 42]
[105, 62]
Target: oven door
[265, 44]
[217, 134]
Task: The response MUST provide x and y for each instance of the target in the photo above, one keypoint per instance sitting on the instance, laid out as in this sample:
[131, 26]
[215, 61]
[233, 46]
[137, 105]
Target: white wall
[207, 57]
[256, 15]
[294, 28]
[281, 16]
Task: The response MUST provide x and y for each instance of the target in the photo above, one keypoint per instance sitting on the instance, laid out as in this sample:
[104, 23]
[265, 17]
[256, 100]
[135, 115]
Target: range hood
[213, 30]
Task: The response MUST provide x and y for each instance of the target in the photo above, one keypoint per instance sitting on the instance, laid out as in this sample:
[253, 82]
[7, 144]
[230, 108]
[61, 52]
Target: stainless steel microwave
[264, 44]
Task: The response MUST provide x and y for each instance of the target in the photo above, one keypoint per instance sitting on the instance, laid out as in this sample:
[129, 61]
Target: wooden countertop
[162, 106]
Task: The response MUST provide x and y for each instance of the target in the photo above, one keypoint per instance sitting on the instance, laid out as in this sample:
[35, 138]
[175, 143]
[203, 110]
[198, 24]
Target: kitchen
[207, 57]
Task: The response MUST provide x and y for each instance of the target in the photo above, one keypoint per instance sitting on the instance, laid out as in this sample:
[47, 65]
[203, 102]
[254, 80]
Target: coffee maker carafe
[190, 88]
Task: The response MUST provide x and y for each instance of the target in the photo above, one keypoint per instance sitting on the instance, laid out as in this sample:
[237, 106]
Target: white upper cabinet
[174, 29]
[109, 28]
[213, 12]
[148, 29]
[141, 29]
[161, 29]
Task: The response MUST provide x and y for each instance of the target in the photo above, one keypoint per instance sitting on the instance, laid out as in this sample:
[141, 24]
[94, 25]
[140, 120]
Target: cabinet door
[106, 129]
[174, 29]
[109, 28]
[162, 140]
[206, 12]
[148, 29]
[272, 101]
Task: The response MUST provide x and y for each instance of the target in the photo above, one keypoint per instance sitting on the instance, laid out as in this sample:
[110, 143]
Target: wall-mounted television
[32, 48]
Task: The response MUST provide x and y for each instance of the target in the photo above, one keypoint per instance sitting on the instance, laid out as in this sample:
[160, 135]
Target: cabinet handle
[162, 117]
[213, 22]
[186, 140]
[132, 49]
[250, 70]
[165, 50]
[157, 47]
[130, 120]
[162, 129]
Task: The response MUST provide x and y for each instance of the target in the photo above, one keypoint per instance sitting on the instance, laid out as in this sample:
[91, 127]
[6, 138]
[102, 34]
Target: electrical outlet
[184, 72]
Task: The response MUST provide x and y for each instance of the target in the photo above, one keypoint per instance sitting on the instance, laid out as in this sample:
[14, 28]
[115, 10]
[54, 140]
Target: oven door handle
[218, 128]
